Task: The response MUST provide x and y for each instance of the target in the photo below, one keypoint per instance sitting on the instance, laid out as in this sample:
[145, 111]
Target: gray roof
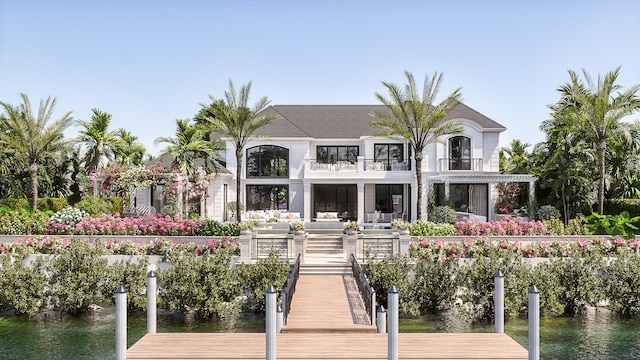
[344, 121]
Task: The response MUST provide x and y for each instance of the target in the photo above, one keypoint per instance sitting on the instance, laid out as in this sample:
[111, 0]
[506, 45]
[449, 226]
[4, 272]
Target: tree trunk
[602, 148]
[238, 172]
[33, 170]
[418, 157]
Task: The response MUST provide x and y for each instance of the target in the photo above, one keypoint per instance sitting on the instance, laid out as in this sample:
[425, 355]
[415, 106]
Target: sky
[149, 63]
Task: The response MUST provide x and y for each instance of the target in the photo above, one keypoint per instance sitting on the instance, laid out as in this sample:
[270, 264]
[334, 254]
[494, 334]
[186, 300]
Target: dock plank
[326, 346]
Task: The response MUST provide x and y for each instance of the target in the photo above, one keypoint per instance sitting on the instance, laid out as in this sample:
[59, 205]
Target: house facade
[324, 159]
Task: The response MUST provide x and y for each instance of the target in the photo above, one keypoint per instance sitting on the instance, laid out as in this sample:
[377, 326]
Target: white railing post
[121, 323]
[534, 323]
[393, 312]
[498, 301]
[382, 320]
[152, 320]
[271, 323]
[279, 319]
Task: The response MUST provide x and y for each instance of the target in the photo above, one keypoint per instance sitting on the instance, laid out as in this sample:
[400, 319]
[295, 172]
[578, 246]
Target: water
[598, 335]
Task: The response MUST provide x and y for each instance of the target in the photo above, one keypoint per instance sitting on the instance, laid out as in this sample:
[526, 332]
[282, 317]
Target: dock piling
[152, 319]
[382, 320]
[271, 323]
[534, 323]
[393, 313]
[121, 323]
[498, 303]
[279, 319]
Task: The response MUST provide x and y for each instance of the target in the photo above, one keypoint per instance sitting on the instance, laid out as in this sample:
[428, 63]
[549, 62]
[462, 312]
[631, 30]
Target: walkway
[327, 304]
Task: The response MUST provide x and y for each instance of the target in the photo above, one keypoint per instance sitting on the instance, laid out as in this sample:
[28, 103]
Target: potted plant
[351, 227]
[247, 226]
[402, 226]
[297, 227]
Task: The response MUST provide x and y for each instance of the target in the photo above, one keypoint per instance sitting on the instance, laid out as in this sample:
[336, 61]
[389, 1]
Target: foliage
[215, 228]
[63, 220]
[256, 278]
[623, 282]
[580, 280]
[248, 225]
[510, 197]
[75, 276]
[416, 118]
[23, 222]
[231, 208]
[577, 226]
[435, 285]
[554, 226]
[546, 212]
[22, 288]
[508, 226]
[617, 206]
[400, 224]
[15, 203]
[614, 225]
[205, 286]
[116, 204]
[443, 214]
[94, 206]
[57, 204]
[132, 274]
[297, 225]
[352, 225]
[393, 270]
[428, 228]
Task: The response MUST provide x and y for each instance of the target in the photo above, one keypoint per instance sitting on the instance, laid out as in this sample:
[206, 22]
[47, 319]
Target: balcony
[361, 165]
[457, 164]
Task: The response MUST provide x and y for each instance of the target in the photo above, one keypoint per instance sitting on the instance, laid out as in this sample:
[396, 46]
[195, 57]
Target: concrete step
[325, 269]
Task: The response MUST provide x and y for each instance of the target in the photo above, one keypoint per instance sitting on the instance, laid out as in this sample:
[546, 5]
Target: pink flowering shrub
[443, 251]
[114, 225]
[509, 226]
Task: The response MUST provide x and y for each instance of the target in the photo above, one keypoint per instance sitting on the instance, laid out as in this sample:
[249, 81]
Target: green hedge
[617, 206]
[15, 203]
[53, 204]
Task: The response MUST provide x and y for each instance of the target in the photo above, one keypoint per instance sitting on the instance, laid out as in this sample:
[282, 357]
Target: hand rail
[367, 292]
[290, 289]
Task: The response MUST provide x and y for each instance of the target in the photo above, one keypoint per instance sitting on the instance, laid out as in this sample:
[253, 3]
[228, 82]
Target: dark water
[598, 335]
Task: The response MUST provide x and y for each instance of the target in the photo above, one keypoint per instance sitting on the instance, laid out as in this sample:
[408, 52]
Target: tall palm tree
[515, 157]
[98, 140]
[188, 145]
[128, 150]
[232, 118]
[32, 136]
[416, 118]
[598, 110]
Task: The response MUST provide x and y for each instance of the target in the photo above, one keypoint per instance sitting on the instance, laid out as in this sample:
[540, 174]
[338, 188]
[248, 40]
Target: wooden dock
[327, 321]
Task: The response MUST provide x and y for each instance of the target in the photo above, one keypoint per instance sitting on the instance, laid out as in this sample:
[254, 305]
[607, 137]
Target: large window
[342, 199]
[389, 199]
[390, 154]
[459, 153]
[267, 197]
[333, 154]
[468, 198]
[267, 161]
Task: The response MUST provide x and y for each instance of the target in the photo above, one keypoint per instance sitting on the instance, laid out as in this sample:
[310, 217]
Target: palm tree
[99, 141]
[598, 110]
[189, 144]
[233, 118]
[128, 151]
[514, 158]
[416, 117]
[33, 136]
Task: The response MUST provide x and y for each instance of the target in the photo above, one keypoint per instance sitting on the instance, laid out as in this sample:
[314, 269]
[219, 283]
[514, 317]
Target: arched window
[267, 161]
[459, 153]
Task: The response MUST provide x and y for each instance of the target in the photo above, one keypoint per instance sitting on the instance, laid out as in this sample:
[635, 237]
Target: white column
[307, 216]
[498, 300]
[271, 323]
[532, 200]
[393, 314]
[361, 214]
[151, 303]
[534, 323]
[121, 323]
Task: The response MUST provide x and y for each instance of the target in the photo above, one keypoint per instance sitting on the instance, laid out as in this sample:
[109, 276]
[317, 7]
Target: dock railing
[367, 292]
[290, 288]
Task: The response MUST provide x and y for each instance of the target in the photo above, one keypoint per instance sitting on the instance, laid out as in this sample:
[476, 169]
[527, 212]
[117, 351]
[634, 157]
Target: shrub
[393, 270]
[617, 206]
[21, 222]
[22, 288]
[94, 206]
[133, 276]
[554, 226]
[580, 282]
[16, 203]
[66, 219]
[215, 228]
[509, 226]
[576, 226]
[116, 204]
[443, 214]
[255, 279]
[428, 228]
[622, 284]
[57, 204]
[75, 276]
[205, 286]
[546, 212]
[435, 285]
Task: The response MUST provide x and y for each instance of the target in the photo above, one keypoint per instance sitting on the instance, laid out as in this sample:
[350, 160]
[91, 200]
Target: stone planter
[351, 232]
[299, 232]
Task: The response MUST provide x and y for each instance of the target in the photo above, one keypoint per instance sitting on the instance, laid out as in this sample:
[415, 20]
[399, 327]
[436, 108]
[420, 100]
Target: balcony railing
[456, 164]
[367, 165]
[386, 165]
[339, 165]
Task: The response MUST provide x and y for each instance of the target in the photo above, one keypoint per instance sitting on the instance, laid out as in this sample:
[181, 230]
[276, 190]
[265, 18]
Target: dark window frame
[249, 192]
[274, 170]
[458, 159]
[388, 160]
[326, 159]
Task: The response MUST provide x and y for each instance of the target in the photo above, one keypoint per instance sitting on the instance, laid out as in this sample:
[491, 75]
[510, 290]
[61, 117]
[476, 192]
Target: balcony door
[459, 153]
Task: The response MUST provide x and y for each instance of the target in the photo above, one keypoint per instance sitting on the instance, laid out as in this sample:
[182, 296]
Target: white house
[323, 159]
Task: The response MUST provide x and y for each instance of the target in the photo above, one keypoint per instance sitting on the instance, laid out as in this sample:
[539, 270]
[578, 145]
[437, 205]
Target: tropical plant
[31, 135]
[232, 118]
[129, 151]
[98, 141]
[598, 110]
[614, 225]
[352, 225]
[514, 159]
[416, 118]
[297, 226]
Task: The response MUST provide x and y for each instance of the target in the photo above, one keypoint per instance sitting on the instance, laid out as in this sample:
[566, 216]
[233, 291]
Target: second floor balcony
[361, 165]
[459, 164]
